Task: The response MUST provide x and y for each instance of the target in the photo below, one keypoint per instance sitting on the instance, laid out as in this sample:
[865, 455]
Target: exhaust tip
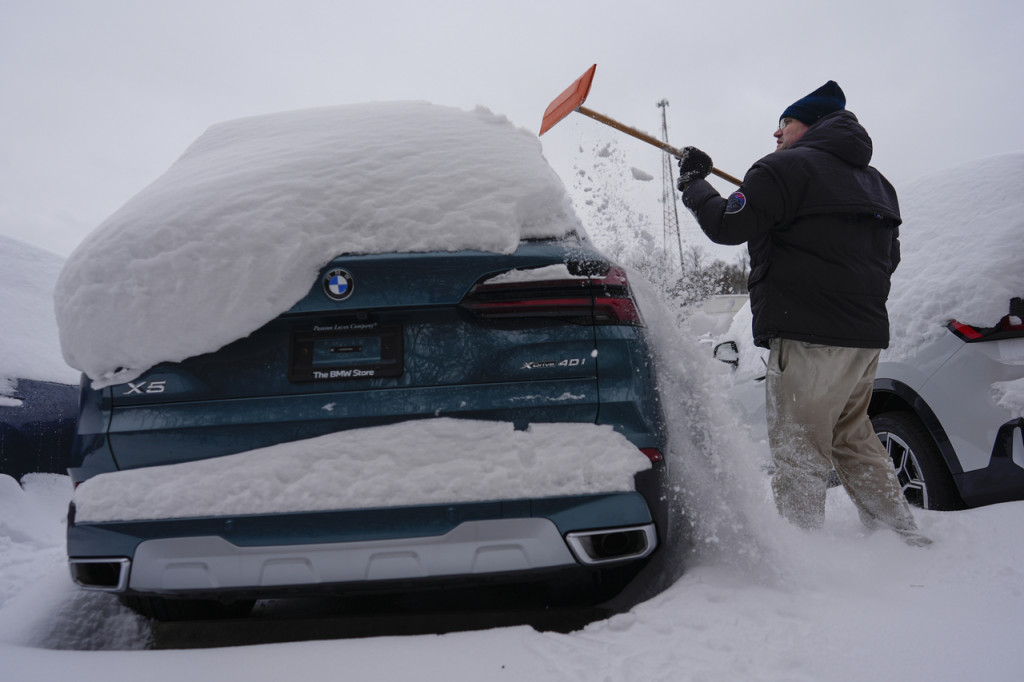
[613, 544]
[107, 575]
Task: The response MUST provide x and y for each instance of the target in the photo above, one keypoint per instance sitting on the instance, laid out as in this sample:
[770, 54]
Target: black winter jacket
[822, 229]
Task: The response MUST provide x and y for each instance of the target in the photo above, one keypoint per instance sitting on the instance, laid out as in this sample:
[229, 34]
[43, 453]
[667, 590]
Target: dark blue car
[382, 339]
[37, 425]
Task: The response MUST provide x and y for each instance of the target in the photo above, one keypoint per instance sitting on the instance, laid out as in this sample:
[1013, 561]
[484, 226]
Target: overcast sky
[99, 97]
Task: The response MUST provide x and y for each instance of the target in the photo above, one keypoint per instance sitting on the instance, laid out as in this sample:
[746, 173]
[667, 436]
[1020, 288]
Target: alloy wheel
[908, 471]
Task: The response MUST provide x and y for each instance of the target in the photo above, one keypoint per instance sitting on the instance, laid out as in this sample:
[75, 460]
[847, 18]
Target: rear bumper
[1003, 479]
[310, 552]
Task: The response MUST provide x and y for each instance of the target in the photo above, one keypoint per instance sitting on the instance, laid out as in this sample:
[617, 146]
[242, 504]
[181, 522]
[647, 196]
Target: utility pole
[668, 189]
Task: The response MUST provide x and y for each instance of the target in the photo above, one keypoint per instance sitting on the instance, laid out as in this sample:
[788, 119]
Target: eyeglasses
[784, 122]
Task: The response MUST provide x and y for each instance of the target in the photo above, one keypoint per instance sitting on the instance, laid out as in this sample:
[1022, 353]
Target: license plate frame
[345, 351]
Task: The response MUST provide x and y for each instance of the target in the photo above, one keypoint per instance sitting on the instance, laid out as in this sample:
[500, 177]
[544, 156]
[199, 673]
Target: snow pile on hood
[412, 463]
[30, 349]
[960, 241]
[234, 233]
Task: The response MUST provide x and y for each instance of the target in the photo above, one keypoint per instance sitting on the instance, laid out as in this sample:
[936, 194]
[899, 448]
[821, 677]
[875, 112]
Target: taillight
[615, 311]
[653, 454]
[1011, 326]
[965, 331]
[612, 301]
[594, 299]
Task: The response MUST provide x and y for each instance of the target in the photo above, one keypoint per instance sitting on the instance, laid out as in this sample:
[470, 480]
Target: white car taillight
[1011, 326]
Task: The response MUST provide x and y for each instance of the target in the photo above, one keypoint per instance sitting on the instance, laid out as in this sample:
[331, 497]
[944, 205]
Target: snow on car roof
[234, 233]
[961, 256]
[26, 315]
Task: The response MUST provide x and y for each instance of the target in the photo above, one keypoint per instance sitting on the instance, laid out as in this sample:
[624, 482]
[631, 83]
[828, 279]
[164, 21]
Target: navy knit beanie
[823, 101]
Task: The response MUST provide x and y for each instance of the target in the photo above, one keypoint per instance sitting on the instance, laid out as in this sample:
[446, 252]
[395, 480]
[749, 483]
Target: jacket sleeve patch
[736, 202]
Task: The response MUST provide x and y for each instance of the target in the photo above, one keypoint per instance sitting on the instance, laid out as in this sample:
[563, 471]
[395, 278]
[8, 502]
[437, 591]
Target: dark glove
[693, 165]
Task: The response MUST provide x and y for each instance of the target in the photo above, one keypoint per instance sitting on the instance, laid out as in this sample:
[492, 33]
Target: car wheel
[922, 473]
[187, 609]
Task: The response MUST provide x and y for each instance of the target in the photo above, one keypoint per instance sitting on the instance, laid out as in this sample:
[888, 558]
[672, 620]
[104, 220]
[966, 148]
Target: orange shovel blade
[568, 102]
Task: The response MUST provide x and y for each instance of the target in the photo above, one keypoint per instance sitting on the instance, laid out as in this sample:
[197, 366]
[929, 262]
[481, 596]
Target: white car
[948, 402]
[947, 417]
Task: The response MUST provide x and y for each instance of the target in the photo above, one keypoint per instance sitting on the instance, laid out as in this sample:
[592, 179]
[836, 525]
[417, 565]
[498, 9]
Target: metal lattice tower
[668, 189]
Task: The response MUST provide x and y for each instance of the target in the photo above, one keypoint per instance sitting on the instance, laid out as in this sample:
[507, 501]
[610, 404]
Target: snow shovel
[572, 100]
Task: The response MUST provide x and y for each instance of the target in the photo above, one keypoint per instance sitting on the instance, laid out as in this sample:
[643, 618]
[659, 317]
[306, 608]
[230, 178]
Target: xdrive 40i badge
[338, 284]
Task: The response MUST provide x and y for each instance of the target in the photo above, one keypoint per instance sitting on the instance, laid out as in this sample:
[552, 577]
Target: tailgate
[411, 339]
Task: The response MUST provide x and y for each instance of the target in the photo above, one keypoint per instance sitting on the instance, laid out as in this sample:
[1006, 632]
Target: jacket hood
[842, 135]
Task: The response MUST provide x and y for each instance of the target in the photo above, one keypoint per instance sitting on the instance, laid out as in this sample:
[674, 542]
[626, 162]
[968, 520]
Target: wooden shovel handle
[649, 140]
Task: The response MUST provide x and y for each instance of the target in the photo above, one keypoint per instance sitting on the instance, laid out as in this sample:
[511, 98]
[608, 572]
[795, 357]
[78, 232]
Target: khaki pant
[817, 402]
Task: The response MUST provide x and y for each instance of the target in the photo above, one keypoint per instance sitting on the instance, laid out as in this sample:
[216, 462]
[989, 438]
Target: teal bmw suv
[189, 479]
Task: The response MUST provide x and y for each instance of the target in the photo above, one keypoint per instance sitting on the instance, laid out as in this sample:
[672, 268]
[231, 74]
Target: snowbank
[29, 329]
[961, 257]
[420, 462]
[31, 520]
[234, 233]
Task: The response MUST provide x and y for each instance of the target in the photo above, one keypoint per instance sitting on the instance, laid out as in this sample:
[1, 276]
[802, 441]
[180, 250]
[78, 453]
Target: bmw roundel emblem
[338, 284]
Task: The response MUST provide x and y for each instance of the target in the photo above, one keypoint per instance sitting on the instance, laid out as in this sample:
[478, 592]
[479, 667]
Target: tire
[920, 468]
[165, 609]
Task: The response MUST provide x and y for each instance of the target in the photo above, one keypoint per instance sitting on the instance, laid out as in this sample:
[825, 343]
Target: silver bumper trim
[613, 544]
[477, 547]
[103, 574]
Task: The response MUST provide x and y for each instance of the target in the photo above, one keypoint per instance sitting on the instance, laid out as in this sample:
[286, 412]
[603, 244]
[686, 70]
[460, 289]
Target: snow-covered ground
[755, 599]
